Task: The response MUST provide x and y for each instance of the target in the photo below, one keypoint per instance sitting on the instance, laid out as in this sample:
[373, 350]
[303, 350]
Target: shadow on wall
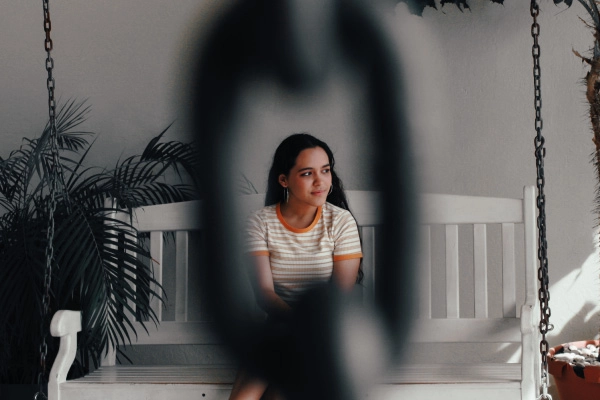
[575, 304]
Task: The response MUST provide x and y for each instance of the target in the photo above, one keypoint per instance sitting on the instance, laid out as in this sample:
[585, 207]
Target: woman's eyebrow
[309, 168]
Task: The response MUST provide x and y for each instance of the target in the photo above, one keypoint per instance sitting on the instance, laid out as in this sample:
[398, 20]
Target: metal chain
[540, 153]
[53, 186]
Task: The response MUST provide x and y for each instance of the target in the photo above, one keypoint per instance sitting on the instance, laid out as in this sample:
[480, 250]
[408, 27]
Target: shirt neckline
[298, 230]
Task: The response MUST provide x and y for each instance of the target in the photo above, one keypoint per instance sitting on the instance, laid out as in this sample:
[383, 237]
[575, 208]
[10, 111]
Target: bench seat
[215, 382]
[155, 382]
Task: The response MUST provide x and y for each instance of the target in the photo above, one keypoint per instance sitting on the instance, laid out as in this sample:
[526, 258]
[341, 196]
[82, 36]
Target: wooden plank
[125, 218]
[181, 276]
[186, 215]
[368, 264]
[530, 351]
[454, 373]
[131, 315]
[156, 253]
[110, 356]
[509, 272]
[425, 274]
[452, 272]
[529, 315]
[480, 278]
[170, 332]
[453, 209]
[531, 262]
[163, 374]
[448, 391]
[488, 330]
[441, 208]
[183, 216]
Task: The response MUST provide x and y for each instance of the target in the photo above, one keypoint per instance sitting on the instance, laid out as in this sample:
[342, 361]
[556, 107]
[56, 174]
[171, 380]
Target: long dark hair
[285, 159]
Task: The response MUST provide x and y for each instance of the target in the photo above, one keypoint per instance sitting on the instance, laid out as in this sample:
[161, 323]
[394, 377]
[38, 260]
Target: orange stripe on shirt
[259, 253]
[347, 257]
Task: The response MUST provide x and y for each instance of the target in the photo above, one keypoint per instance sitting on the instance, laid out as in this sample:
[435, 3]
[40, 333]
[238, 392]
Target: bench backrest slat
[181, 275]
[472, 330]
[509, 272]
[480, 270]
[452, 273]
[425, 307]
[368, 264]
[454, 209]
[156, 254]
[184, 216]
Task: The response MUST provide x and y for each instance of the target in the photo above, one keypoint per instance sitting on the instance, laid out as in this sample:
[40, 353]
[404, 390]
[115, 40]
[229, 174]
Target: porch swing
[520, 382]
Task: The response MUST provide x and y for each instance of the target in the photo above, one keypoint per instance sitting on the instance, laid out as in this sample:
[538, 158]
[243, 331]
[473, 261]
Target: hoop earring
[330, 190]
[285, 195]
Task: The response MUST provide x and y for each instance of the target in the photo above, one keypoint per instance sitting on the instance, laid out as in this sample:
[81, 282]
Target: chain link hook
[544, 389]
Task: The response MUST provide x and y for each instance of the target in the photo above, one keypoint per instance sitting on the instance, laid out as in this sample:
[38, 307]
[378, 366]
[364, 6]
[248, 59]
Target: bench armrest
[65, 324]
[530, 356]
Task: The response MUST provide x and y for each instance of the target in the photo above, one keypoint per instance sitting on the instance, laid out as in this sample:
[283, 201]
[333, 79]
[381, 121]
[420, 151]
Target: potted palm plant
[94, 269]
[576, 366]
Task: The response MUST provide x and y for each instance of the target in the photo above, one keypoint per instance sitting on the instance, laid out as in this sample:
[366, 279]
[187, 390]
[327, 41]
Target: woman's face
[309, 179]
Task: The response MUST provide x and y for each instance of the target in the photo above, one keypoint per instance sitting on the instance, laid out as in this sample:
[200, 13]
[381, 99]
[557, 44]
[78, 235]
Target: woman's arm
[345, 273]
[264, 288]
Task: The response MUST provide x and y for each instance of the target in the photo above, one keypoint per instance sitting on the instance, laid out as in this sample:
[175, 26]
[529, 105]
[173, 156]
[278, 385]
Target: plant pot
[570, 386]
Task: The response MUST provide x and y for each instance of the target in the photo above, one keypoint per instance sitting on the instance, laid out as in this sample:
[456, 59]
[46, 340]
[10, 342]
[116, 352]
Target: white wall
[127, 58]
[470, 81]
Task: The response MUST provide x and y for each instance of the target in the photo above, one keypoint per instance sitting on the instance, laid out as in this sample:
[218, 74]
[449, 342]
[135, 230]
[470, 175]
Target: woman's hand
[264, 288]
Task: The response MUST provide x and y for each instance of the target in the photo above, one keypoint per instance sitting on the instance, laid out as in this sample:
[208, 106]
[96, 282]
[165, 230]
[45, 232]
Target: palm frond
[592, 9]
[245, 185]
[99, 265]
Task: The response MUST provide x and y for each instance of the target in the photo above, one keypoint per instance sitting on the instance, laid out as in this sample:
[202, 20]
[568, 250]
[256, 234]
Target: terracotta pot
[569, 385]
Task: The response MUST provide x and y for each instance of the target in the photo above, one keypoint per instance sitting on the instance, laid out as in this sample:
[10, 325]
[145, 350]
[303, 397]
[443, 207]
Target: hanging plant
[576, 366]
[592, 78]
[95, 270]
[417, 6]
[592, 88]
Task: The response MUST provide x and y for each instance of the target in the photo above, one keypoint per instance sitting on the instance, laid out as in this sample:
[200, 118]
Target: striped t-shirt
[302, 258]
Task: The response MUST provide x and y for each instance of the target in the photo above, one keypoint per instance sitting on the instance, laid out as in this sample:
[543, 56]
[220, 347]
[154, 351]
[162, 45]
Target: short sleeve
[346, 238]
[256, 235]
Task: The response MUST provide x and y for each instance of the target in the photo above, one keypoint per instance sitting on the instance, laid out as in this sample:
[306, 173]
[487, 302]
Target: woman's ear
[283, 180]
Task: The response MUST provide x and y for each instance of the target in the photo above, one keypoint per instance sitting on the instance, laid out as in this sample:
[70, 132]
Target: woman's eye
[326, 171]
[306, 174]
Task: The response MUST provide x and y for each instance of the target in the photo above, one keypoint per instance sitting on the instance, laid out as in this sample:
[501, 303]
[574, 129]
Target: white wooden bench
[454, 378]
[458, 373]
